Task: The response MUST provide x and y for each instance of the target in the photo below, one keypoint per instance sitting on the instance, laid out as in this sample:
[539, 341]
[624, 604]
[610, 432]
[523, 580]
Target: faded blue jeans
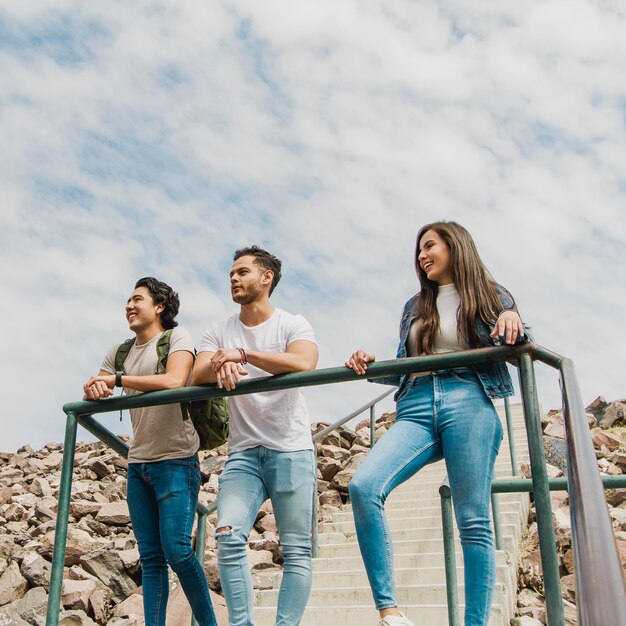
[249, 478]
[444, 414]
[162, 499]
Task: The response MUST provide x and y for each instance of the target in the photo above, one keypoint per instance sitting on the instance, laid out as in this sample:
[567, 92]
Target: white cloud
[157, 137]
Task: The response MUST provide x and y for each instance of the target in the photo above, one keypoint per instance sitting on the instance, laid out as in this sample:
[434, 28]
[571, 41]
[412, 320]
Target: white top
[447, 339]
[159, 432]
[275, 419]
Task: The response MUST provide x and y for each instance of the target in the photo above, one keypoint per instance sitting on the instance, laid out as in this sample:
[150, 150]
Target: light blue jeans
[444, 414]
[162, 499]
[249, 478]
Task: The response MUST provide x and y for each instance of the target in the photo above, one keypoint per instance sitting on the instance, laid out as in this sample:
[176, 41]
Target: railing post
[372, 426]
[511, 436]
[497, 528]
[63, 510]
[200, 544]
[543, 505]
[314, 532]
[449, 553]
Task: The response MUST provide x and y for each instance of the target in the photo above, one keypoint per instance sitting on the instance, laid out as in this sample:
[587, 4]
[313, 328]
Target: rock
[12, 584]
[601, 438]
[80, 508]
[568, 587]
[212, 465]
[326, 512]
[6, 546]
[614, 414]
[130, 560]
[267, 523]
[131, 607]
[527, 597]
[114, 513]
[615, 497]
[553, 471]
[14, 512]
[5, 495]
[108, 567]
[79, 543]
[555, 427]
[597, 407]
[36, 570]
[33, 606]
[335, 452]
[330, 496]
[328, 467]
[41, 487]
[618, 515]
[76, 594]
[260, 559]
[10, 617]
[75, 618]
[556, 452]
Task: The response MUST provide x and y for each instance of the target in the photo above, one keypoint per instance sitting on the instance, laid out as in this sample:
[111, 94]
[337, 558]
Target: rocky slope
[607, 423]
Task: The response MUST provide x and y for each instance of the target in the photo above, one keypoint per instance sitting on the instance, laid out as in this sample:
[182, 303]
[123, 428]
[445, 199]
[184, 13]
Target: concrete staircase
[341, 595]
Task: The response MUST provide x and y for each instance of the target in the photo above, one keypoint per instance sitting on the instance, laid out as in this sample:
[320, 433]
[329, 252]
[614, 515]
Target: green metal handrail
[607, 573]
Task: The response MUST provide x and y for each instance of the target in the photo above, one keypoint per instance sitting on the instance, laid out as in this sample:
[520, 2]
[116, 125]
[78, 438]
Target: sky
[155, 138]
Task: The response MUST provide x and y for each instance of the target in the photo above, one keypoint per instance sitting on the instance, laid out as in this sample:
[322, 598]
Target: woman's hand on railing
[359, 360]
[508, 325]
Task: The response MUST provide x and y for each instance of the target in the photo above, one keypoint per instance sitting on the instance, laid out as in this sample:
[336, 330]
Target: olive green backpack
[209, 417]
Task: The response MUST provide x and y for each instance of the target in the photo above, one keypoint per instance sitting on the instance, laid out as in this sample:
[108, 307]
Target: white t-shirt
[275, 419]
[159, 432]
[447, 339]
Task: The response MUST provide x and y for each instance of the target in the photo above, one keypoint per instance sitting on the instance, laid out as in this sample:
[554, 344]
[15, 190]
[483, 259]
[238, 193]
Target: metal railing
[600, 591]
[598, 572]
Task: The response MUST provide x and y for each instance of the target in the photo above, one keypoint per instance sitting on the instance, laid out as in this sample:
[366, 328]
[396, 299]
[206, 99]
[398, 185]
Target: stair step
[432, 614]
[432, 593]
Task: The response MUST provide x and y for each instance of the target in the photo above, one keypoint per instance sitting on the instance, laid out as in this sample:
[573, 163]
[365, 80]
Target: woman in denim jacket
[441, 414]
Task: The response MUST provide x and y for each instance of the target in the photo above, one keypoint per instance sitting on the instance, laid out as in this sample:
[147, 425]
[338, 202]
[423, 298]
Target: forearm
[281, 362]
[202, 372]
[153, 382]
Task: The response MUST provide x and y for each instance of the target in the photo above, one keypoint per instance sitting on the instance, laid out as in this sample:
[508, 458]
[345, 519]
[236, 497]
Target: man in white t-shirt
[271, 454]
[163, 466]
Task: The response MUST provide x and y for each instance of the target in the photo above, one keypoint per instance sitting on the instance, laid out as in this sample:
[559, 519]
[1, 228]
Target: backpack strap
[163, 350]
[122, 353]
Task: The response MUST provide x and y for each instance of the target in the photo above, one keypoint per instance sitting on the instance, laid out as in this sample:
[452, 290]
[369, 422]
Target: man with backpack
[270, 449]
[163, 466]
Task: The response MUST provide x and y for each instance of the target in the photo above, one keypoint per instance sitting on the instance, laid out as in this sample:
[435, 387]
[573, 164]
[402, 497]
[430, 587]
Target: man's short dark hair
[264, 259]
[162, 294]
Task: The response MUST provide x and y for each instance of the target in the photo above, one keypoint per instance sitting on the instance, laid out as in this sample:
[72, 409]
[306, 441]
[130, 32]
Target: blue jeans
[447, 415]
[249, 478]
[162, 499]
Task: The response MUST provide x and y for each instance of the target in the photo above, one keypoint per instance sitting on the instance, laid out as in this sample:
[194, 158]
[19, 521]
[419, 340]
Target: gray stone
[108, 567]
[12, 584]
[33, 605]
[36, 570]
[114, 513]
[75, 618]
[614, 414]
[556, 452]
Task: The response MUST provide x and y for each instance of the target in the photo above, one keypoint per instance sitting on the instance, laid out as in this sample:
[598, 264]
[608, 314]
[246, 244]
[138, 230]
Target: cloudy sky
[156, 137]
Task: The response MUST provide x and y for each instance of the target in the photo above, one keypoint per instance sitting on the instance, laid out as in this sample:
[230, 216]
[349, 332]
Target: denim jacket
[494, 377]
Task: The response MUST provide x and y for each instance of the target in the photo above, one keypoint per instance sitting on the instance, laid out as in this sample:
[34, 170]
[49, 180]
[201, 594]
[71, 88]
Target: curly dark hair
[162, 294]
[264, 259]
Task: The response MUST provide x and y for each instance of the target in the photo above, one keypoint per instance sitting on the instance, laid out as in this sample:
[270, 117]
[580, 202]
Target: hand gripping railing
[599, 578]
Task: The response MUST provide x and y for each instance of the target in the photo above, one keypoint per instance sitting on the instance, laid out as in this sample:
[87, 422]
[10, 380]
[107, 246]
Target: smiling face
[249, 282]
[141, 311]
[434, 258]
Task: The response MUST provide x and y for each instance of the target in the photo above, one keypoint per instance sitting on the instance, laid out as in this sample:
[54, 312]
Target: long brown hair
[474, 284]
